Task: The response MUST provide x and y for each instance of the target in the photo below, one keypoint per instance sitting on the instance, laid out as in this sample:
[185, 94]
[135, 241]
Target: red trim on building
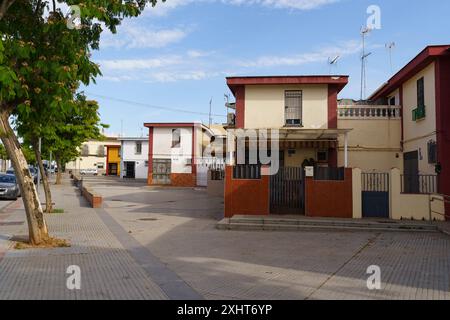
[193, 160]
[339, 80]
[150, 156]
[171, 125]
[240, 107]
[442, 83]
[332, 107]
[400, 94]
[107, 160]
[422, 60]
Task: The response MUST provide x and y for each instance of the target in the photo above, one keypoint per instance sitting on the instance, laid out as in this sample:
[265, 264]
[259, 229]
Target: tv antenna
[364, 33]
[210, 112]
[333, 62]
[390, 47]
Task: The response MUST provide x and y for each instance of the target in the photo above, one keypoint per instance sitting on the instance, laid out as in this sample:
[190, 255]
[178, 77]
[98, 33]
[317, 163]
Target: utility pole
[210, 112]
[39, 171]
[364, 32]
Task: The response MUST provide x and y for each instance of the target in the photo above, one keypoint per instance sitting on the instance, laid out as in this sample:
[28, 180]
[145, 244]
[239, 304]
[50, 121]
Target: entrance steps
[295, 223]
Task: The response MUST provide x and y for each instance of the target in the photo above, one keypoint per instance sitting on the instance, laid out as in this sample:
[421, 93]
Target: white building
[177, 153]
[134, 158]
[93, 155]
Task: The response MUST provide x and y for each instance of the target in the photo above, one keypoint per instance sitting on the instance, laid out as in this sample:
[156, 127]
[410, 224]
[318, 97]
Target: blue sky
[178, 54]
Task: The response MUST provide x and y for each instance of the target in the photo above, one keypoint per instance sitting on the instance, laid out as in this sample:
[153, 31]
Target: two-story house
[178, 153]
[302, 108]
[134, 158]
[422, 89]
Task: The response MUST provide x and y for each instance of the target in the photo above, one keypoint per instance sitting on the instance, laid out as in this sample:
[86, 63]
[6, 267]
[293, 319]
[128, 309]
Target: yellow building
[113, 160]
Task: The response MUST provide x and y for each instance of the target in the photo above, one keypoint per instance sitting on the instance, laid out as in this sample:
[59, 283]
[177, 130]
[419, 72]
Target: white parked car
[93, 171]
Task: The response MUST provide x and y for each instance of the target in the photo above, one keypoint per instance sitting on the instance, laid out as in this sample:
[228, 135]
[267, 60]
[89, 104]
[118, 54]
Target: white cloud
[195, 65]
[163, 8]
[348, 48]
[133, 36]
[199, 53]
[284, 4]
[138, 64]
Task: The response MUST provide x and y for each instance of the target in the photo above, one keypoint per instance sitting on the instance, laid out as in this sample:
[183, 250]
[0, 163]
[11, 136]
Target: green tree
[28, 65]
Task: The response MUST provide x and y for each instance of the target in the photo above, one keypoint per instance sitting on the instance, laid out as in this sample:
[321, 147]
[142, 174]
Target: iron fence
[419, 184]
[247, 172]
[329, 173]
[375, 182]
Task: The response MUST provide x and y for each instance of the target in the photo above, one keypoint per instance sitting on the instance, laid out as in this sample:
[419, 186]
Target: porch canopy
[310, 138]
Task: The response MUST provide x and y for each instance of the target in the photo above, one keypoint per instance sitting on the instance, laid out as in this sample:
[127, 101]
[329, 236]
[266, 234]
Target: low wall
[413, 206]
[95, 200]
[216, 188]
[331, 199]
[246, 197]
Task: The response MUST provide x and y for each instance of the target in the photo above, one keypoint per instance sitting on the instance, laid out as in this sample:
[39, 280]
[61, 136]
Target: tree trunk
[35, 217]
[59, 173]
[45, 182]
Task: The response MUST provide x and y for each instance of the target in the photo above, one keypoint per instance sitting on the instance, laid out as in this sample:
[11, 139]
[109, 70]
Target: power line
[140, 104]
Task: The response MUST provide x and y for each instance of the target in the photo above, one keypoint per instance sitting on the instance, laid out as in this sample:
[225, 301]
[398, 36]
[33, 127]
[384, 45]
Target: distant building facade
[134, 158]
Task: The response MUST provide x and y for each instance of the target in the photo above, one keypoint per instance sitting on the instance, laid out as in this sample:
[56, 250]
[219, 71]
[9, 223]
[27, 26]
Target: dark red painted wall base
[246, 197]
[330, 199]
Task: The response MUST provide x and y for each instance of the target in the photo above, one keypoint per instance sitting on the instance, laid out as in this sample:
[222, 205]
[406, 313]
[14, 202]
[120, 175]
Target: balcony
[419, 113]
[360, 112]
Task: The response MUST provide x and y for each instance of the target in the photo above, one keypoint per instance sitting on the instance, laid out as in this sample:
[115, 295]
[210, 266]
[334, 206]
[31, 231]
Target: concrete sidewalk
[108, 271]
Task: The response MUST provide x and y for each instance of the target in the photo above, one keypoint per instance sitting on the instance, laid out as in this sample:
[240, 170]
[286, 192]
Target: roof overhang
[172, 124]
[340, 81]
[133, 139]
[292, 134]
[421, 61]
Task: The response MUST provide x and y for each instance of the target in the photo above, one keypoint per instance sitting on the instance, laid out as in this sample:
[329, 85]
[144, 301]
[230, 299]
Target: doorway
[411, 172]
[113, 169]
[130, 168]
[162, 168]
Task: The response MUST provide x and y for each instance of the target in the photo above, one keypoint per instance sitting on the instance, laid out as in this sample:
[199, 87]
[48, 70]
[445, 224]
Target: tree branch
[4, 7]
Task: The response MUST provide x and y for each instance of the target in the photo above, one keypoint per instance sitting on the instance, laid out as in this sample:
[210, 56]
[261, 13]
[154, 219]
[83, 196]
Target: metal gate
[162, 171]
[287, 191]
[202, 175]
[375, 195]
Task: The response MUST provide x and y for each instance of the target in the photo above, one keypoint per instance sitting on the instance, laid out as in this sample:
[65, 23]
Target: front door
[287, 190]
[161, 171]
[112, 169]
[130, 167]
[411, 172]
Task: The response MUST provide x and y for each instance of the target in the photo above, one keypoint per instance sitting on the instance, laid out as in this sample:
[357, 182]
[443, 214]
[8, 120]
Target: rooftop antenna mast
[210, 112]
[364, 32]
[390, 47]
[333, 62]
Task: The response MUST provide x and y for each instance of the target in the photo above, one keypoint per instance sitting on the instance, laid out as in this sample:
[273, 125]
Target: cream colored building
[302, 108]
[93, 155]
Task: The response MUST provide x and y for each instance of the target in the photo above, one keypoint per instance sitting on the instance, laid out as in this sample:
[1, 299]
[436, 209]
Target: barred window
[420, 93]
[176, 138]
[138, 147]
[293, 107]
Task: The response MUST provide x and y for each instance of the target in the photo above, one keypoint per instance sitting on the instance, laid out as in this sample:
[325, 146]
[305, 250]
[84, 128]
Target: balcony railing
[419, 184]
[369, 112]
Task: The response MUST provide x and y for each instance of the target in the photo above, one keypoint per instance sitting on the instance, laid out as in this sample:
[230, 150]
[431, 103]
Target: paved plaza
[161, 243]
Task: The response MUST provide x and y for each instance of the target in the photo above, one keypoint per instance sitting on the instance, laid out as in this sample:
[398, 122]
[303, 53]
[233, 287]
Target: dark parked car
[8, 187]
[33, 172]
